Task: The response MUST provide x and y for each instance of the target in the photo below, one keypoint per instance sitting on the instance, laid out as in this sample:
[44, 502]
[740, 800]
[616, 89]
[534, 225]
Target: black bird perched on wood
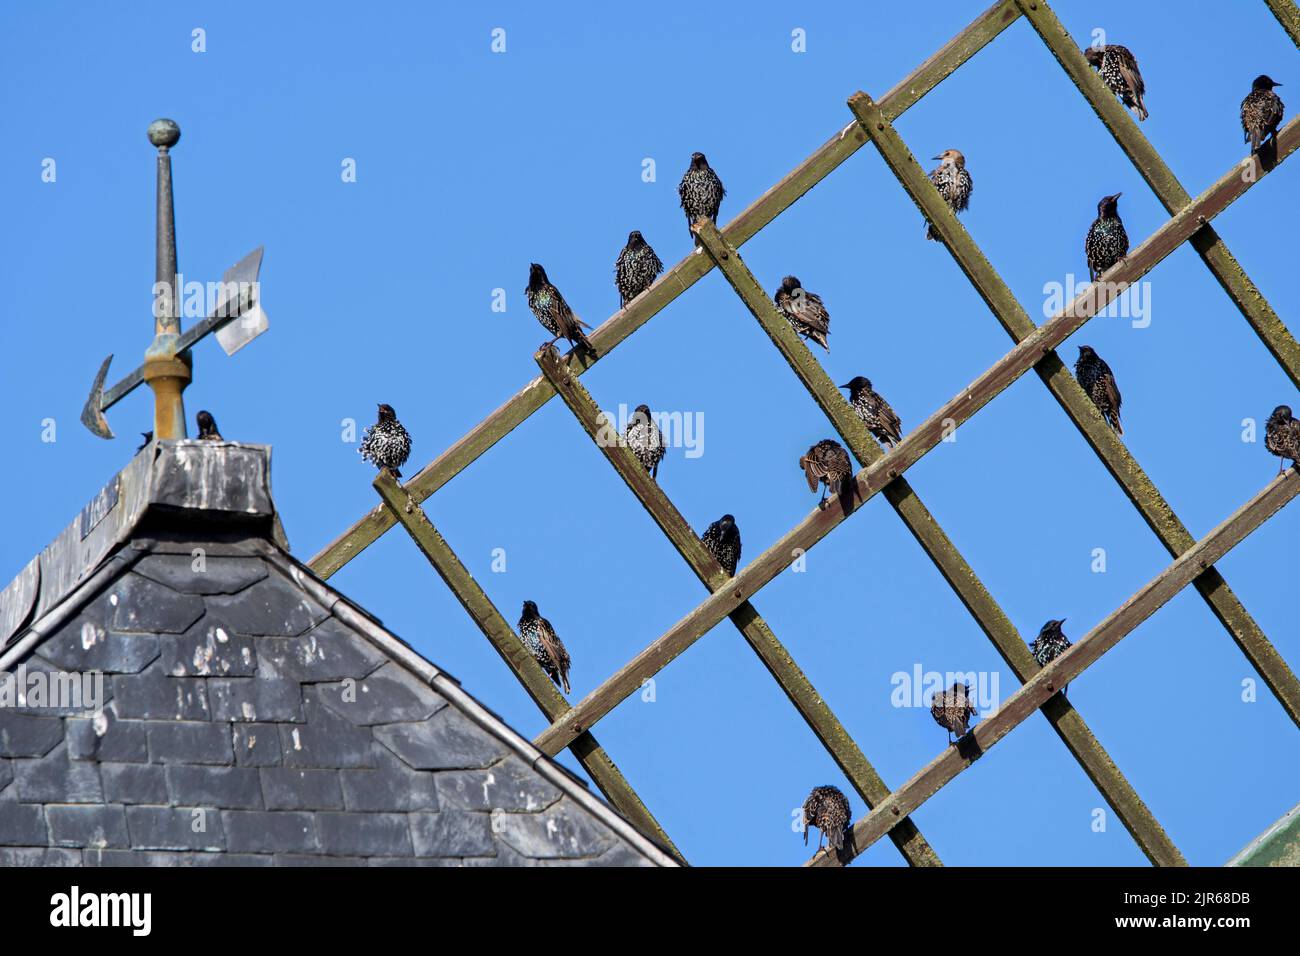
[827, 809]
[1282, 436]
[804, 310]
[553, 312]
[953, 182]
[545, 645]
[1118, 68]
[1050, 644]
[701, 193]
[953, 709]
[386, 443]
[148, 437]
[646, 441]
[722, 538]
[1096, 378]
[828, 463]
[874, 411]
[1107, 242]
[636, 268]
[1261, 112]
[207, 427]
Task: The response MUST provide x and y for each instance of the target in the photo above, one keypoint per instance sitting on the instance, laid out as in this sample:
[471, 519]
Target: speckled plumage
[722, 538]
[954, 183]
[1282, 436]
[644, 438]
[1050, 644]
[1107, 241]
[828, 810]
[207, 427]
[827, 463]
[1118, 69]
[553, 312]
[701, 192]
[1096, 378]
[804, 310]
[386, 443]
[1261, 112]
[953, 709]
[636, 268]
[874, 411]
[545, 645]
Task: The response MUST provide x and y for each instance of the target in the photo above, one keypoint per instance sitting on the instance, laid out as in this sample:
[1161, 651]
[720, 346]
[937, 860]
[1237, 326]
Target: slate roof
[254, 715]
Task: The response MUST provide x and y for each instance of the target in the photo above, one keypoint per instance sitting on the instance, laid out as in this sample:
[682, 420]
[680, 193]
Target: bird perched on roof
[636, 268]
[804, 310]
[1282, 436]
[1106, 242]
[1050, 644]
[553, 312]
[828, 463]
[1096, 378]
[1118, 69]
[386, 443]
[953, 182]
[827, 809]
[148, 437]
[874, 411]
[207, 427]
[545, 645]
[701, 192]
[1261, 112]
[722, 538]
[642, 435]
[953, 709]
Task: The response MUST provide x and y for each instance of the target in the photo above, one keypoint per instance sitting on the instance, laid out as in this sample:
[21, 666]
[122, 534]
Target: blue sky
[471, 164]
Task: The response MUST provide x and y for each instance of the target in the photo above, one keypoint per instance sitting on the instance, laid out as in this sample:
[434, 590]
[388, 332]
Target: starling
[1282, 436]
[1096, 378]
[545, 645]
[553, 312]
[874, 411]
[953, 182]
[722, 538]
[805, 311]
[1050, 644]
[636, 268]
[1261, 112]
[148, 437]
[1107, 242]
[827, 809]
[645, 440]
[953, 709]
[386, 444]
[828, 463]
[207, 427]
[1119, 71]
[701, 192]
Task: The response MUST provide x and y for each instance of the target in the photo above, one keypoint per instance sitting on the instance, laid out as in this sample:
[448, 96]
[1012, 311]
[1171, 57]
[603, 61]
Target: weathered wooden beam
[671, 284]
[1114, 454]
[1288, 15]
[774, 655]
[1070, 665]
[1137, 818]
[499, 633]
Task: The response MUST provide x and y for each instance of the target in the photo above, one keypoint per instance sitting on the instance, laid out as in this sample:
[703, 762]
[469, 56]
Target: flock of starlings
[386, 443]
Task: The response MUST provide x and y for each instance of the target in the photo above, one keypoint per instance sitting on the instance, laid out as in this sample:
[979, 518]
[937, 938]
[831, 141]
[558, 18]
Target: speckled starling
[1107, 242]
[953, 709]
[701, 192]
[644, 438]
[1119, 71]
[386, 444]
[1282, 436]
[874, 411]
[722, 538]
[953, 182]
[636, 268]
[1050, 644]
[148, 437]
[1261, 112]
[553, 312]
[208, 427]
[827, 463]
[827, 809]
[804, 310]
[545, 645]
[1096, 378]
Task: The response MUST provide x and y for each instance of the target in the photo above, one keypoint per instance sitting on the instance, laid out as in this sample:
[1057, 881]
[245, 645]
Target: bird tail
[1119, 429]
[1141, 111]
[396, 472]
[579, 340]
[1255, 140]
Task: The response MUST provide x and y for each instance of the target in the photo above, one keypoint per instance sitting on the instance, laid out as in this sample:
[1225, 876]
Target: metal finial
[164, 133]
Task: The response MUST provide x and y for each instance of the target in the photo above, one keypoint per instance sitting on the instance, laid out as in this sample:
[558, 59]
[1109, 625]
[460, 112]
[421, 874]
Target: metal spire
[166, 368]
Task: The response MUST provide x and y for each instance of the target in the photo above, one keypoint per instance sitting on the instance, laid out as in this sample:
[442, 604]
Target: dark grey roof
[254, 715]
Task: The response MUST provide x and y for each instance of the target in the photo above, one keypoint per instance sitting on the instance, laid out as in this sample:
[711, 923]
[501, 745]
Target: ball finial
[164, 133]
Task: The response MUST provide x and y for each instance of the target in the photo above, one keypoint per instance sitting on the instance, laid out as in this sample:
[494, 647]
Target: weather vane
[167, 364]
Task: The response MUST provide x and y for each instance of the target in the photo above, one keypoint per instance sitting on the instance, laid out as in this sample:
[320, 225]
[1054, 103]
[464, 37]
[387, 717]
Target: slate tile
[105, 737]
[84, 645]
[202, 574]
[255, 698]
[190, 741]
[56, 779]
[509, 785]
[168, 858]
[226, 787]
[26, 736]
[452, 833]
[209, 648]
[141, 605]
[21, 824]
[100, 826]
[256, 745]
[273, 607]
[175, 828]
[391, 787]
[446, 741]
[325, 740]
[28, 856]
[563, 831]
[153, 695]
[329, 651]
[389, 695]
[290, 788]
[363, 834]
[134, 783]
[259, 831]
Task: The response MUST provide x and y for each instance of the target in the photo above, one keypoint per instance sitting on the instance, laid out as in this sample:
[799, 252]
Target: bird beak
[936, 157]
[1116, 196]
[842, 386]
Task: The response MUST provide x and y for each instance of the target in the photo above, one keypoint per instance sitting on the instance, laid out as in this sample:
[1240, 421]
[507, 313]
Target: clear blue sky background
[470, 165]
